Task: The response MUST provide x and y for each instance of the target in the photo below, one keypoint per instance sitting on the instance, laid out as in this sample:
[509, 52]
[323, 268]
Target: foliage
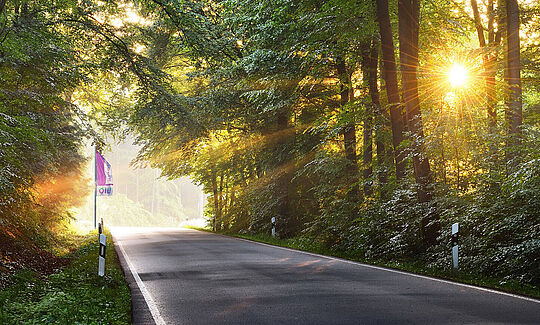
[53, 56]
[255, 113]
[40, 128]
[270, 106]
[74, 295]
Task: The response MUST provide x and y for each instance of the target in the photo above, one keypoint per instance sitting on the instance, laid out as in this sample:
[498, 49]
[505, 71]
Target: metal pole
[95, 186]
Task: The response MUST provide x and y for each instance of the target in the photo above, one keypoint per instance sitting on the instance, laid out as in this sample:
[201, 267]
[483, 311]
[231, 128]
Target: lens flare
[458, 76]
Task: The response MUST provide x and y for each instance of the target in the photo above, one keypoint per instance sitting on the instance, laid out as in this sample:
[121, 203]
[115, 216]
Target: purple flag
[103, 171]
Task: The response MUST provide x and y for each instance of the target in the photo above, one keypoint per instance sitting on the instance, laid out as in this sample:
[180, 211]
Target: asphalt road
[191, 277]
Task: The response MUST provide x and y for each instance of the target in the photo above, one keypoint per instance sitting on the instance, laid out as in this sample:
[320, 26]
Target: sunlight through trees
[367, 127]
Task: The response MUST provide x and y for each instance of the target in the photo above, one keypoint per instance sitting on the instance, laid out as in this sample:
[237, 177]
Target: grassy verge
[416, 267]
[74, 295]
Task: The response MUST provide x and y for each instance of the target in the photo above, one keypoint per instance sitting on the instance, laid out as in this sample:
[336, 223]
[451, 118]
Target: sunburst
[458, 76]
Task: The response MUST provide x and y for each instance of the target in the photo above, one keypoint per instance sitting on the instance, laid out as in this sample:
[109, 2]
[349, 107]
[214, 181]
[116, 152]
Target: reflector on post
[455, 244]
[101, 258]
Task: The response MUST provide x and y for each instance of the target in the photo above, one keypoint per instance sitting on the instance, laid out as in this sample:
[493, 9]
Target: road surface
[181, 276]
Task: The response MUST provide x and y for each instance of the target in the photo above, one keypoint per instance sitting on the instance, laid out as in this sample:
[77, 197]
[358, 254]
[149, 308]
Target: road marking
[147, 297]
[383, 268]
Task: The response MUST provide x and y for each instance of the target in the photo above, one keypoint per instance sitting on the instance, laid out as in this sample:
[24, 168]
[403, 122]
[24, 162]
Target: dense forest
[365, 126]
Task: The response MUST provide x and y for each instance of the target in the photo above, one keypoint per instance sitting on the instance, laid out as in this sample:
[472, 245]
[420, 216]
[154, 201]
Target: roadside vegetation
[49, 52]
[364, 127]
[73, 294]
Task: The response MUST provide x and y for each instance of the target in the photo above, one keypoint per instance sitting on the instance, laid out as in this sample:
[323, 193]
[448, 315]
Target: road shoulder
[140, 313]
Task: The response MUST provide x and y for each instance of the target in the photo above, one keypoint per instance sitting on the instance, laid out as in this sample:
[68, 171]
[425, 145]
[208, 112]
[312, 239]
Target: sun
[458, 76]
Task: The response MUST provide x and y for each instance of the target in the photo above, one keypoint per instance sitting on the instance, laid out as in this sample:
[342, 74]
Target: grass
[417, 267]
[74, 295]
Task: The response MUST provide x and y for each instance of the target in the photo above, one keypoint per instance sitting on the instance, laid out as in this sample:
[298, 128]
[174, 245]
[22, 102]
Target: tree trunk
[284, 179]
[349, 130]
[225, 207]
[408, 14]
[158, 199]
[478, 24]
[370, 74]
[216, 199]
[153, 196]
[385, 153]
[489, 59]
[514, 116]
[220, 204]
[390, 78]
[233, 197]
[490, 66]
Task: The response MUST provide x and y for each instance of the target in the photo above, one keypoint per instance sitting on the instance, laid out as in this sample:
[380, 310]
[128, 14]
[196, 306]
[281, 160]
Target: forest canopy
[366, 126]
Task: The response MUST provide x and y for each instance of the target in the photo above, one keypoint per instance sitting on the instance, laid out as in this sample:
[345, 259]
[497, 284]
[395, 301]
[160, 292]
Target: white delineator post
[273, 226]
[102, 247]
[455, 244]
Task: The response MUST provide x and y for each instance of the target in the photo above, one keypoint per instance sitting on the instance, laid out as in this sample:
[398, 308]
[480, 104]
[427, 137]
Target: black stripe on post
[102, 250]
[455, 239]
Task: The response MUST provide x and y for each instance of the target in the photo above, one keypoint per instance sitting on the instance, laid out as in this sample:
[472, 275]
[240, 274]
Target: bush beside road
[73, 295]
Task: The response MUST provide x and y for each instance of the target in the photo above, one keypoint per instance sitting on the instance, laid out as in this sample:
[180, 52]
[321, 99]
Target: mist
[141, 198]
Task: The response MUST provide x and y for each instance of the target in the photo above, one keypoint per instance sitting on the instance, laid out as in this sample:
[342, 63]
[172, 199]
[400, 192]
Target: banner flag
[104, 180]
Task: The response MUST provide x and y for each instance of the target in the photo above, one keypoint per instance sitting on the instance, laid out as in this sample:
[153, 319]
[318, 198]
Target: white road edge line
[147, 297]
[385, 269]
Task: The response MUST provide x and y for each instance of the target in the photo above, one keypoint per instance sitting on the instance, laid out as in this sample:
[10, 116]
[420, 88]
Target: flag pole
[95, 185]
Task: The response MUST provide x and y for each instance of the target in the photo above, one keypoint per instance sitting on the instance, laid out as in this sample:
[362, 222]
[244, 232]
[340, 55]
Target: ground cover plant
[73, 295]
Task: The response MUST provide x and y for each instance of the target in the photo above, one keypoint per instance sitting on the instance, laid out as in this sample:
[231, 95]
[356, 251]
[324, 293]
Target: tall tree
[215, 199]
[349, 129]
[408, 13]
[514, 116]
[383, 135]
[489, 57]
[369, 69]
[391, 84]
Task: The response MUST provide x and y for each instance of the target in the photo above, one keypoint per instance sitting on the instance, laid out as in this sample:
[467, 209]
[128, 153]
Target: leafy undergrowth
[18, 251]
[73, 295]
[417, 267]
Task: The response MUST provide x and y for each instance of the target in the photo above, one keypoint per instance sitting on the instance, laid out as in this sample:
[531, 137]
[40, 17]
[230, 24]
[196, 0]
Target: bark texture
[389, 73]
[408, 14]
[349, 130]
[514, 115]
